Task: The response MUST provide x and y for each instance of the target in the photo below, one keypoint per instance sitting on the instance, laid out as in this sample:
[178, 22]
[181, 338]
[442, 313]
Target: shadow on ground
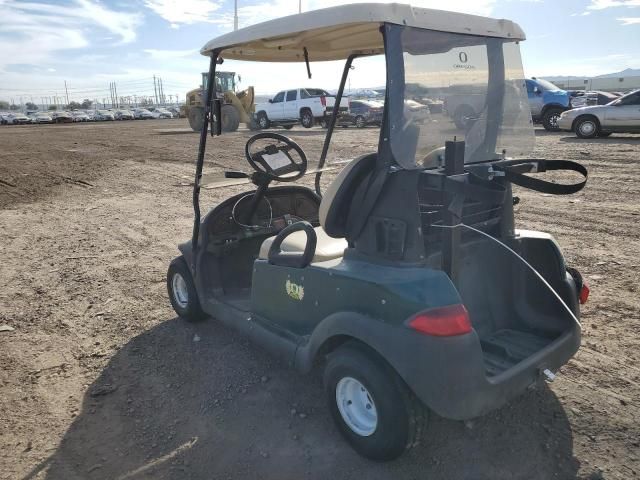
[184, 401]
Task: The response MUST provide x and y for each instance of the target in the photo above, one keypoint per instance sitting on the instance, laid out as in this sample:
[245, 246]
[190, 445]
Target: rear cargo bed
[505, 348]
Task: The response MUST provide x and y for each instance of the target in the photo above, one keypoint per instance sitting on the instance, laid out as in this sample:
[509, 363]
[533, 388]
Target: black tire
[550, 119]
[263, 121]
[401, 418]
[587, 127]
[306, 118]
[359, 122]
[230, 118]
[464, 117]
[324, 124]
[287, 127]
[196, 118]
[189, 307]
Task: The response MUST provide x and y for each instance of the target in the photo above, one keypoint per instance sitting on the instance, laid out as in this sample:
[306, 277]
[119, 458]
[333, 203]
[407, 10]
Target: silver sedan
[620, 116]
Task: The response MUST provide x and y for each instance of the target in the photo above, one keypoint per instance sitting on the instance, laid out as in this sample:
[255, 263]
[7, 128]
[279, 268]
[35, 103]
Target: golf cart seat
[327, 248]
[333, 212]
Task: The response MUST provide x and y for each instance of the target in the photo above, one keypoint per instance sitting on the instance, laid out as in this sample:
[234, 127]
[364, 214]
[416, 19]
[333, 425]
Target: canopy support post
[332, 122]
[210, 95]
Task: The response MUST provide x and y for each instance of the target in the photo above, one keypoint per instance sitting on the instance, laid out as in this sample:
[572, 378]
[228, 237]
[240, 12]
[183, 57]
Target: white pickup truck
[305, 105]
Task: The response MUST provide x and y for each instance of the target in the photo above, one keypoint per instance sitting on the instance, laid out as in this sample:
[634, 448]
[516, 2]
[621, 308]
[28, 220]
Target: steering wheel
[275, 160]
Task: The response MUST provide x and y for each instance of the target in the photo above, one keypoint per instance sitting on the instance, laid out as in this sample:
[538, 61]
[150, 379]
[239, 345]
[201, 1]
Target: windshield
[478, 80]
[546, 85]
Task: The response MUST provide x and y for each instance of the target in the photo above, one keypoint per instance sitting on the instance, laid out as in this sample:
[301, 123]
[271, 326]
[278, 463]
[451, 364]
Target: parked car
[42, 118]
[142, 114]
[365, 112]
[61, 117]
[103, 115]
[175, 111]
[124, 115]
[79, 116]
[307, 106]
[546, 102]
[587, 99]
[15, 118]
[619, 116]
[158, 112]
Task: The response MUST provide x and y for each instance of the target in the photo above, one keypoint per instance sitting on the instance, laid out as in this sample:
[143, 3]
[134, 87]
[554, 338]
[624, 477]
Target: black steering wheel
[275, 160]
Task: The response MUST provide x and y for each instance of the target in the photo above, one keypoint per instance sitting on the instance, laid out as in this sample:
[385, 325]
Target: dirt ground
[100, 380]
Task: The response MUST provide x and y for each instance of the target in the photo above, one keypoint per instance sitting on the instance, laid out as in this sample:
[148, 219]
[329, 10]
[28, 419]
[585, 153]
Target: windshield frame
[495, 126]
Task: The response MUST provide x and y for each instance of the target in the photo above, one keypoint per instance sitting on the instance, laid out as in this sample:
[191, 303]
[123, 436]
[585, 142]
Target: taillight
[584, 293]
[447, 321]
[323, 101]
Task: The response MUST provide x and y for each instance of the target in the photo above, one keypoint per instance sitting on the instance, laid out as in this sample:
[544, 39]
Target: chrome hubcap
[356, 406]
[179, 288]
[587, 128]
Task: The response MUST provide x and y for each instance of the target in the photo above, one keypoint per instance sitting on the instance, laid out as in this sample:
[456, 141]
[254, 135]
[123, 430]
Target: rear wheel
[360, 123]
[587, 127]
[196, 118]
[263, 121]
[550, 119]
[182, 291]
[372, 407]
[230, 118]
[306, 118]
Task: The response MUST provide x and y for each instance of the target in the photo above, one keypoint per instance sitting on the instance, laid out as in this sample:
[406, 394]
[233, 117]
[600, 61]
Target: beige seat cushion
[327, 248]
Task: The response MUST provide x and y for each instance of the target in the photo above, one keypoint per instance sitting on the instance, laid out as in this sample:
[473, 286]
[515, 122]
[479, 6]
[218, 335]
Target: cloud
[32, 31]
[630, 20]
[603, 4]
[178, 12]
[170, 54]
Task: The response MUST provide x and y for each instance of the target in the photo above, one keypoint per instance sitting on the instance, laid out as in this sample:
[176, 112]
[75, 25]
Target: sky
[90, 43]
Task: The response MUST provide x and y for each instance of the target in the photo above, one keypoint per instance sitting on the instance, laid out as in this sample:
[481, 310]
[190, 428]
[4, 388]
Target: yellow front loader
[237, 107]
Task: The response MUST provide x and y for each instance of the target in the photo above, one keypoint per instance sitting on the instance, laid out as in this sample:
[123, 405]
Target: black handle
[216, 117]
[235, 175]
[294, 259]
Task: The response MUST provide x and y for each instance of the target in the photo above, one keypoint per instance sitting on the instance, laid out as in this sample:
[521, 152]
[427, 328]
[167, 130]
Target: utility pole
[299, 6]
[66, 91]
[155, 89]
[235, 15]
[115, 94]
[162, 98]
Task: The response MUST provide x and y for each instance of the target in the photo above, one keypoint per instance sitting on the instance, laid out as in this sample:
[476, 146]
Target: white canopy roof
[337, 32]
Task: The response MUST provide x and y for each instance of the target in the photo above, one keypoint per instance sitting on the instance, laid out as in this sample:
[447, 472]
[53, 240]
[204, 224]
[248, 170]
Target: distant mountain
[629, 72]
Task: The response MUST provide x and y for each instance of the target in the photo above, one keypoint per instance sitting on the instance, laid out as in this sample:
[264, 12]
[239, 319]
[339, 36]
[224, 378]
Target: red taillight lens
[584, 293]
[323, 101]
[446, 321]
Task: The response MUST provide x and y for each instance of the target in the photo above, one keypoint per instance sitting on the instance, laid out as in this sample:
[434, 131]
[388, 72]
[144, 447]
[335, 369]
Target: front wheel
[182, 291]
[306, 118]
[550, 119]
[587, 127]
[370, 404]
[230, 118]
[263, 121]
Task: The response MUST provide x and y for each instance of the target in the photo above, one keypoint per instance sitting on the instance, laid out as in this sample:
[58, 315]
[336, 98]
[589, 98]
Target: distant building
[604, 83]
